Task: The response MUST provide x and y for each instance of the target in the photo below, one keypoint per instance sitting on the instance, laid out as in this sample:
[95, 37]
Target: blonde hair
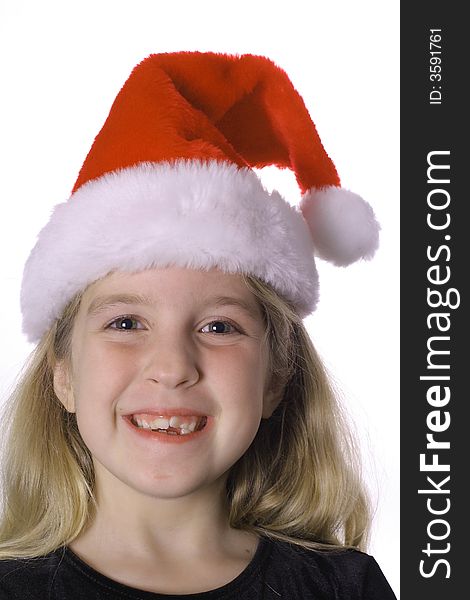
[299, 480]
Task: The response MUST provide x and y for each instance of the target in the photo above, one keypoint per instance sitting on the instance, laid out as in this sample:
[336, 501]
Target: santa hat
[169, 180]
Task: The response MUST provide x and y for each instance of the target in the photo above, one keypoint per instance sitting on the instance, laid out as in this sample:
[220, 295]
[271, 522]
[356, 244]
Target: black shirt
[278, 570]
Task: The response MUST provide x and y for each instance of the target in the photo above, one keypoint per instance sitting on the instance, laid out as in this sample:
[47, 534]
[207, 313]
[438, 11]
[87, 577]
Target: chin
[171, 486]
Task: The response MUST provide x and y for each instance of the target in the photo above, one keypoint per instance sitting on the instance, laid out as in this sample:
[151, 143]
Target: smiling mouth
[170, 425]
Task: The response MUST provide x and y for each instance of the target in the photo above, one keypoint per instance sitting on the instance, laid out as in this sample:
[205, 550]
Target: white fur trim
[189, 213]
[343, 225]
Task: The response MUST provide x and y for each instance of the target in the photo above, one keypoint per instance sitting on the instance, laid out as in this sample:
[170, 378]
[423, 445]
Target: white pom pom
[343, 226]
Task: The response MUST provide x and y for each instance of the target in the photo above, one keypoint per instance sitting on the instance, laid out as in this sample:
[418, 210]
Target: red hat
[169, 180]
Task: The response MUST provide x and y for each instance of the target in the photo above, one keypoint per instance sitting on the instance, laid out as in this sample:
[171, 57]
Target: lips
[169, 424]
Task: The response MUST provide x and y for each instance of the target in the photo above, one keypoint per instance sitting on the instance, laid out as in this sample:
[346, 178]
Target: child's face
[169, 342]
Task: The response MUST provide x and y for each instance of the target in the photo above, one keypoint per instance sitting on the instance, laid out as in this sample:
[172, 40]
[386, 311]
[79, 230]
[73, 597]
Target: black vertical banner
[435, 357]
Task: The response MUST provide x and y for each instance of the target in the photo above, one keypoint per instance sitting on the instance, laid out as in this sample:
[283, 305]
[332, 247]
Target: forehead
[171, 286]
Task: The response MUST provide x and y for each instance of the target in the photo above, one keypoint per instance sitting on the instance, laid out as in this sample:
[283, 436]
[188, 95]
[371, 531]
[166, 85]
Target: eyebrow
[101, 303]
[250, 308]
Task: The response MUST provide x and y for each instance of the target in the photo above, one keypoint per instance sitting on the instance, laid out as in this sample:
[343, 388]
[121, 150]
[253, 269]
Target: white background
[62, 64]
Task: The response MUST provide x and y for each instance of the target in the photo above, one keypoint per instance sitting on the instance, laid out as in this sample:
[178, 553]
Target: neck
[150, 526]
[177, 545]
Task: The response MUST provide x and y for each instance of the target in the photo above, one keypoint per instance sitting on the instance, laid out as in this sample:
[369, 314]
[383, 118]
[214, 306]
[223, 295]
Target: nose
[171, 362]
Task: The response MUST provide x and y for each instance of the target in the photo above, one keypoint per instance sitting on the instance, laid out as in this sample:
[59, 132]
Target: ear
[272, 399]
[62, 385]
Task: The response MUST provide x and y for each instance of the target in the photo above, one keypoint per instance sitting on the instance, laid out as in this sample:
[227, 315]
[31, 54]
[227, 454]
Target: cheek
[239, 375]
[238, 387]
[100, 374]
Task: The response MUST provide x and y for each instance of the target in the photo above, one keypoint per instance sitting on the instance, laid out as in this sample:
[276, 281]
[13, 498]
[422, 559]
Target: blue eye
[125, 324]
[220, 327]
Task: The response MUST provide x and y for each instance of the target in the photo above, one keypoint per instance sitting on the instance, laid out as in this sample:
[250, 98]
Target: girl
[175, 434]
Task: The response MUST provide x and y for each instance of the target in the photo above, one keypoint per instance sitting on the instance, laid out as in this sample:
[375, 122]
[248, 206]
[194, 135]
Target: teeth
[182, 424]
[160, 423]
